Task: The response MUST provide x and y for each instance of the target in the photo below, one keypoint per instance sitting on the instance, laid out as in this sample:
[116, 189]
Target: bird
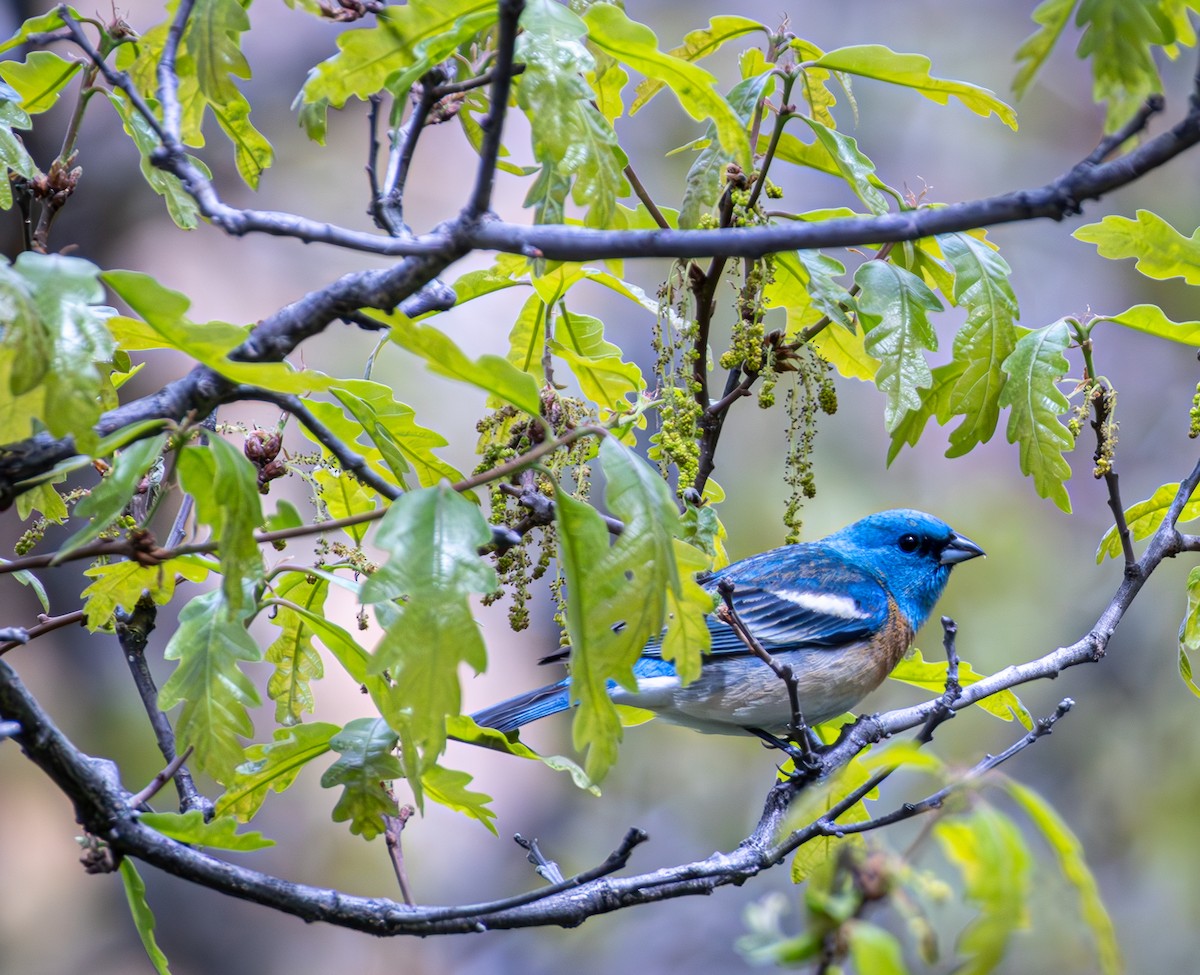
[840, 612]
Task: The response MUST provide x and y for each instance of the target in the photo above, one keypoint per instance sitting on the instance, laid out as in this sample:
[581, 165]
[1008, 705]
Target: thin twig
[469, 84]
[798, 727]
[129, 548]
[546, 868]
[133, 632]
[393, 828]
[168, 78]
[647, 200]
[493, 123]
[47, 625]
[826, 826]
[161, 778]
[388, 207]
[1111, 143]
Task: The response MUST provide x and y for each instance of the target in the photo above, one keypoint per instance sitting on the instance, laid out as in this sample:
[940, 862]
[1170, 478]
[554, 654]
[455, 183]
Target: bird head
[912, 552]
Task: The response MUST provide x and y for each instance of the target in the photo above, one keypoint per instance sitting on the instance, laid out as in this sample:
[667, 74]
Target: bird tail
[520, 710]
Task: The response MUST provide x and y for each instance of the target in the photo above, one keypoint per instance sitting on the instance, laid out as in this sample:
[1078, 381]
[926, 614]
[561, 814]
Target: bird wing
[811, 596]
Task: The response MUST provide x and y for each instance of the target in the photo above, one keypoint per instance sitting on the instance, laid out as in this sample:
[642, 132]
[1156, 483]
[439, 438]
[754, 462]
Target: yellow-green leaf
[994, 861]
[1144, 518]
[635, 45]
[699, 44]
[1162, 252]
[1034, 367]
[912, 71]
[1189, 631]
[1151, 320]
[273, 766]
[143, 917]
[1068, 851]
[497, 376]
[220, 833]
[930, 675]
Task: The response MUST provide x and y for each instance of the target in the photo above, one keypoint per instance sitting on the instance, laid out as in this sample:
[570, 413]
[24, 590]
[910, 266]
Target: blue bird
[840, 611]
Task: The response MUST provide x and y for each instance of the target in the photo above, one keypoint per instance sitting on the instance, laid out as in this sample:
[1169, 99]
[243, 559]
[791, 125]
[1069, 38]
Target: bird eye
[909, 542]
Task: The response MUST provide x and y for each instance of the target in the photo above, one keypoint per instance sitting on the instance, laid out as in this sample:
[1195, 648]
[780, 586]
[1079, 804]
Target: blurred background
[1121, 768]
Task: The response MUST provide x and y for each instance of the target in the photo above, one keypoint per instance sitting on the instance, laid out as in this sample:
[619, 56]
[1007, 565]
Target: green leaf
[39, 79]
[165, 325]
[463, 728]
[108, 498]
[209, 644]
[994, 860]
[985, 340]
[607, 80]
[819, 853]
[766, 943]
[894, 312]
[527, 338]
[687, 636]
[1119, 36]
[1036, 364]
[1189, 631]
[912, 71]
[701, 528]
[1151, 320]
[930, 675]
[572, 140]
[604, 377]
[44, 24]
[698, 44]
[365, 765]
[225, 486]
[1162, 252]
[123, 583]
[448, 788]
[43, 498]
[625, 583]
[1144, 518]
[213, 40]
[705, 177]
[252, 153]
[1068, 851]
[497, 376]
[407, 42]
[806, 285]
[55, 340]
[13, 154]
[344, 495]
[634, 45]
[219, 834]
[180, 205]
[391, 425]
[873, 949]
[272, 767]
[935, 404]
[296, 660]
[143, 917]
[814, 83]
[1052, 17]
[433, 536]
[853, 166]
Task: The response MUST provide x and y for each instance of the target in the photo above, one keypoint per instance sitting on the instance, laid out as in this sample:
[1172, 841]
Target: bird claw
[805, 756]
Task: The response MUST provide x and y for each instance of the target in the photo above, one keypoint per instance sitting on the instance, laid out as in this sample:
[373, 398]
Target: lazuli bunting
[840, 611]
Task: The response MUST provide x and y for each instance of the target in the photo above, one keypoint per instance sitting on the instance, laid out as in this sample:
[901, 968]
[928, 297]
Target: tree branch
[493, 122]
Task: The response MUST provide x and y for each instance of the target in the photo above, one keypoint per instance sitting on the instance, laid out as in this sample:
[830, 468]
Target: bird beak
[959, 549]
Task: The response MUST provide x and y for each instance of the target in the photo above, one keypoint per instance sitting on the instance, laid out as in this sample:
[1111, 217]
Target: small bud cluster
[811, 393]
[521, 501]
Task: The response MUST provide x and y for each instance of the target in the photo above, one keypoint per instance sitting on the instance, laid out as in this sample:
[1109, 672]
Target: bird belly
[736, 692]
